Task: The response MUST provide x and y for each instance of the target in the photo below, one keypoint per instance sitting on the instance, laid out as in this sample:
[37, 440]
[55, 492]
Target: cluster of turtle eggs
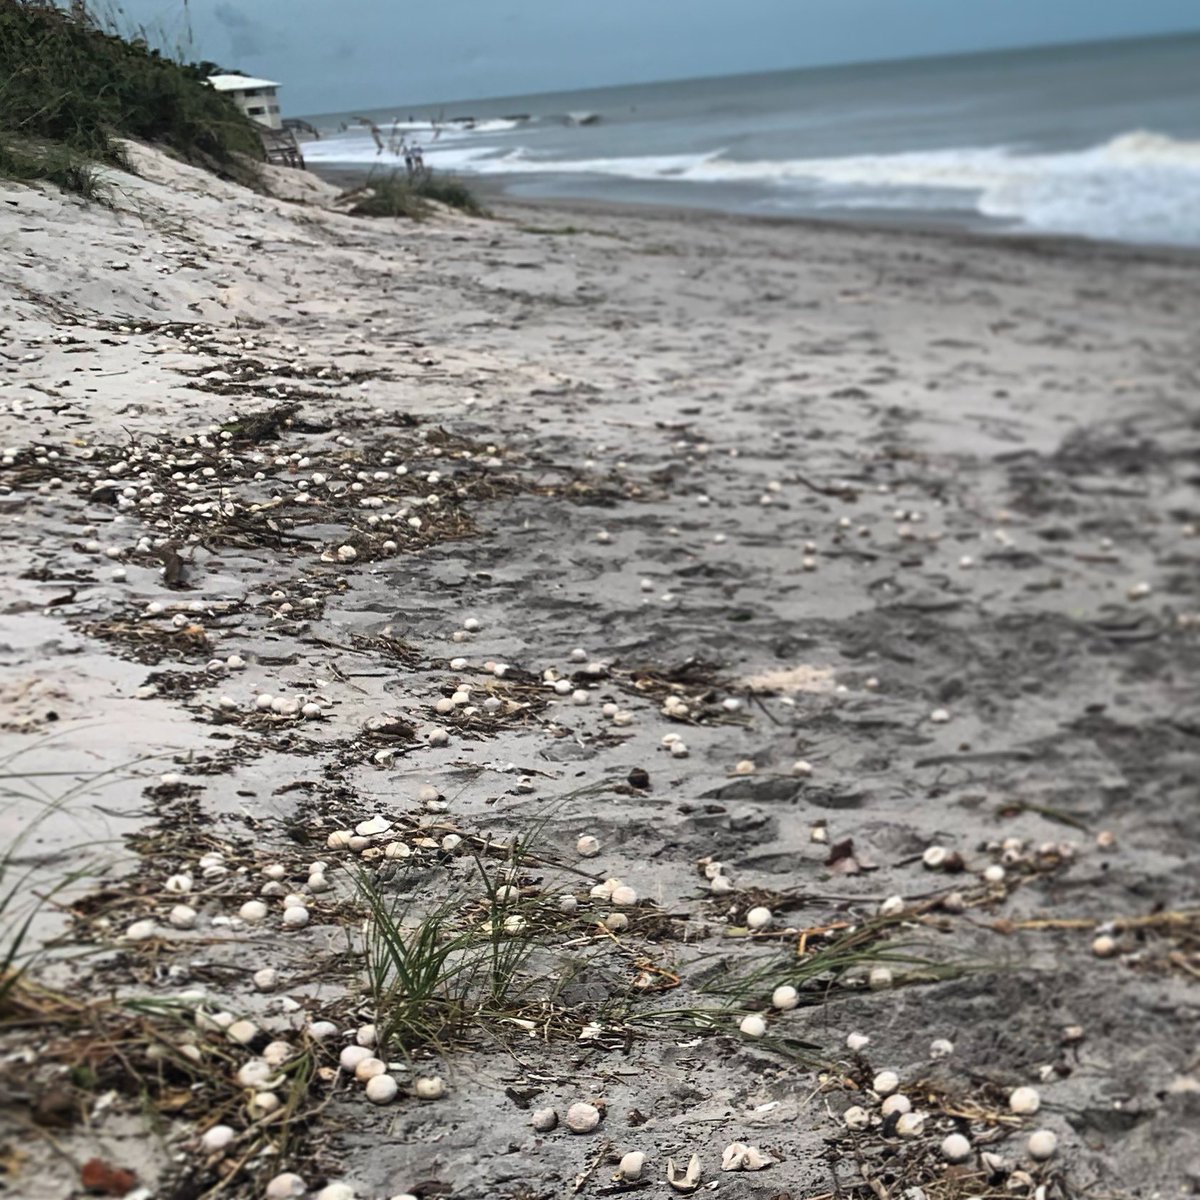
[583, 1117]
[379, 1086]
[956, 1148]
[212, 867]
[373, 838]
[289, 1186]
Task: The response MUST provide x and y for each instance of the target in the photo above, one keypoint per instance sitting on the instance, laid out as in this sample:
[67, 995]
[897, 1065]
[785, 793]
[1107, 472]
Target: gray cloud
[361, 54]
[247, 37]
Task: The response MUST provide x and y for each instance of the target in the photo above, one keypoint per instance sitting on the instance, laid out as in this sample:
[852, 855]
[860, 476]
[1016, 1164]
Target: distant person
[408, 156]
[418, 158]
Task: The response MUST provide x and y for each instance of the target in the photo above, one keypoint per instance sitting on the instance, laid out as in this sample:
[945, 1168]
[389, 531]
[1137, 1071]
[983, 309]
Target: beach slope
[869, 542]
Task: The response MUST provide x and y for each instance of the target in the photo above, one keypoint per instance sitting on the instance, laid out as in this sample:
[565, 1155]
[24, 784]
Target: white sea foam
[1139, 186]
[498, 125]
[357, 145]
[660, 166]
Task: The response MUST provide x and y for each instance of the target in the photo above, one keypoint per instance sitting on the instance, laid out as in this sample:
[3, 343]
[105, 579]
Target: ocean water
[1098, 140]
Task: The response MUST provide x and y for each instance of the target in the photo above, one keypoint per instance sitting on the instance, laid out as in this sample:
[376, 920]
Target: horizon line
[814, 67]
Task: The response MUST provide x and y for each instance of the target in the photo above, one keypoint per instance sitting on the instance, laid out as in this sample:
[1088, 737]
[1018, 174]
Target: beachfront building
[257, 98]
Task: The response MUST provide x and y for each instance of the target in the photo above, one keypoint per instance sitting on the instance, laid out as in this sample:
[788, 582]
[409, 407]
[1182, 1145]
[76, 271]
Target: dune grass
[400, 194]
[851, 953]
[434, 973]
[50, 162]
[20, 903]
[446, 974]
[448, 190]
[70, 90]
[30, 798]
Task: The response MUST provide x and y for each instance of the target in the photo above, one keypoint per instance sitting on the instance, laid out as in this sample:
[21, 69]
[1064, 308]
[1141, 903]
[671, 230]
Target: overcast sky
[338, 55]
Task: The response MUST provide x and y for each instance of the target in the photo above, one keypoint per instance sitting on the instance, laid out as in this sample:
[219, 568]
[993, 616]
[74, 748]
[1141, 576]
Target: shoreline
[674, 610]
[491, 192]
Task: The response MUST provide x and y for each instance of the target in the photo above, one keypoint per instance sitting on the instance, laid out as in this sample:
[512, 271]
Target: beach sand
[924, 506]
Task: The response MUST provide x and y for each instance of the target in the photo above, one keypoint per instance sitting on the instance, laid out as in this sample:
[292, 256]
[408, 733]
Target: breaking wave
[1138, 186]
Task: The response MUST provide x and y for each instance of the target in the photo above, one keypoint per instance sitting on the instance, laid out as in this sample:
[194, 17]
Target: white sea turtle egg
[785, 997]
[759, 918]
[753, 1026]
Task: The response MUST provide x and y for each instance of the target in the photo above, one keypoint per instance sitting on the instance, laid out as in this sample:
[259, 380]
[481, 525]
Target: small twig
[582, 1178]
[1153, 921]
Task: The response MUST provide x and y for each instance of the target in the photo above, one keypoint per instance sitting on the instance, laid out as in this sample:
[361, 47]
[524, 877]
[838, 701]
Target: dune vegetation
[71, 88]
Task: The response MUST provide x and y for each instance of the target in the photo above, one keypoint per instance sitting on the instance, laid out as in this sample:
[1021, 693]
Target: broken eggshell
[687, 1180]
[740, 1157]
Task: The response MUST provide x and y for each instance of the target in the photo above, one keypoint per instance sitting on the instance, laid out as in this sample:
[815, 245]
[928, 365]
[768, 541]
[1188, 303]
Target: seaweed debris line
[670, 705]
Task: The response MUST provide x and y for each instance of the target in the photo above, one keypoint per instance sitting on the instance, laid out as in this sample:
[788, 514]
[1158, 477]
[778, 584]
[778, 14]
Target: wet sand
[921, 508]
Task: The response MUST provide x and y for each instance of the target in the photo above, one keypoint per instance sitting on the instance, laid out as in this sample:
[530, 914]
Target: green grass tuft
[390, 196]
[52, 163]
[434, 976]
[400, 194]
[448, 190]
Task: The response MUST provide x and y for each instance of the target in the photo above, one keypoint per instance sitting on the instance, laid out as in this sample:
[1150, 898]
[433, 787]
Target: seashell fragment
[376, 824]
[684, 1181]
[740, 1157]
